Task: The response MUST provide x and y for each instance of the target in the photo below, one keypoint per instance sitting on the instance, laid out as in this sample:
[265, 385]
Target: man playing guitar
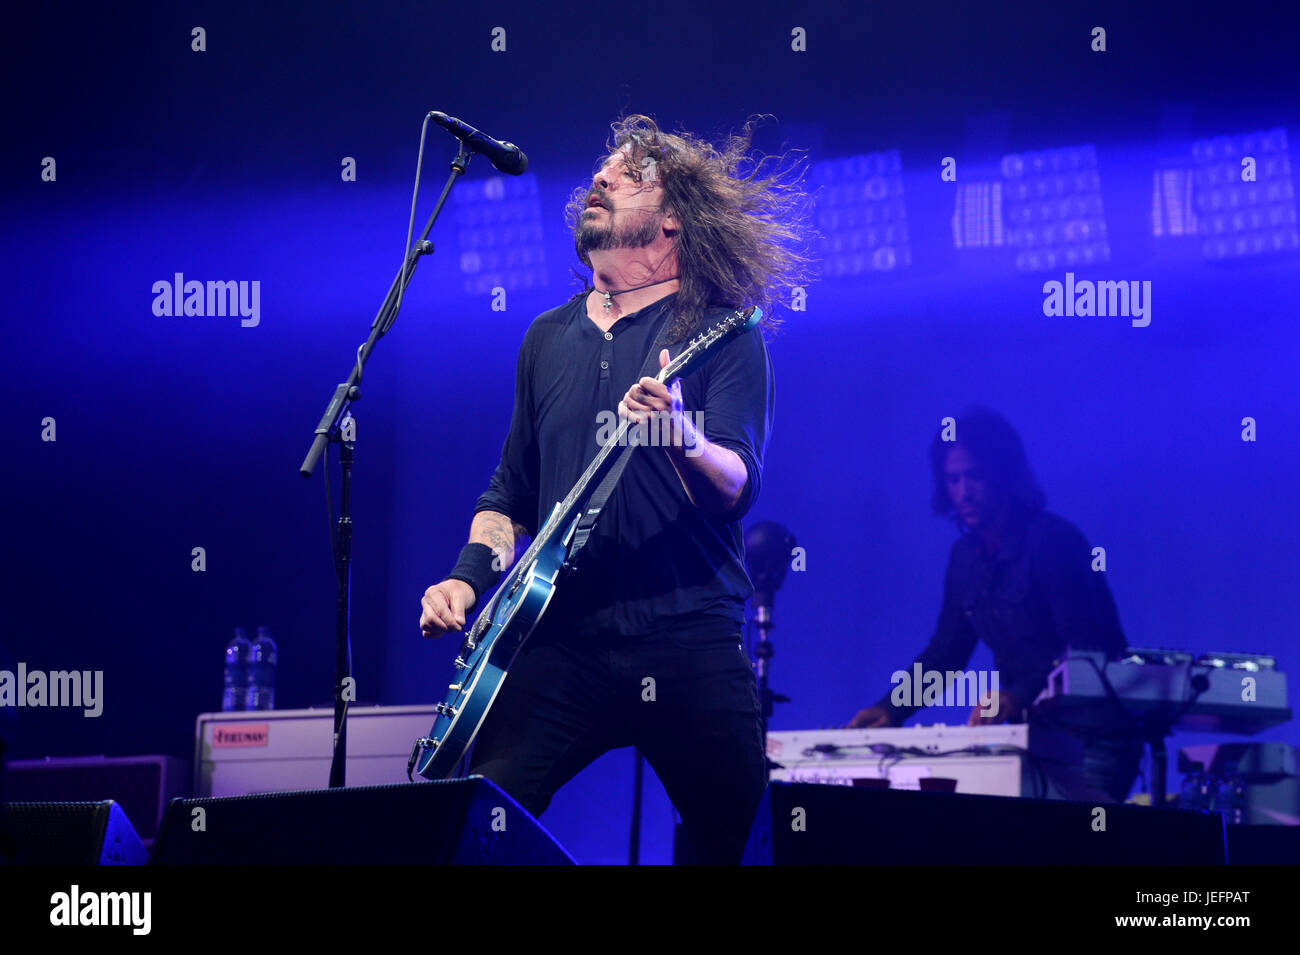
[642, 646]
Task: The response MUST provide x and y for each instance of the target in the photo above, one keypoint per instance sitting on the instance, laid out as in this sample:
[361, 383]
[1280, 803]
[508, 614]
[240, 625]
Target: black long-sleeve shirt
[654, 560]
[1037, 596]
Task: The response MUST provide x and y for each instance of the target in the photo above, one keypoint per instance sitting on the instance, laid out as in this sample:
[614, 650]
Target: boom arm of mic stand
[349, 390]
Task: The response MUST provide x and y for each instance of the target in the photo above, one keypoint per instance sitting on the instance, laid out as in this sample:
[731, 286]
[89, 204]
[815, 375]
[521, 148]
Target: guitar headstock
[703, 346]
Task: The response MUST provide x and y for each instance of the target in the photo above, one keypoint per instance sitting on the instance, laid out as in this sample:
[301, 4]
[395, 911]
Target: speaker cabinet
[70, 833]
[141, 785]
[809, 824]
[458, 821]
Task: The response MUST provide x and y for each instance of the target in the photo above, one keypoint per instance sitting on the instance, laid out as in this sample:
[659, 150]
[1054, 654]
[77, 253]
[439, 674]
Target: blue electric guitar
[512, 614]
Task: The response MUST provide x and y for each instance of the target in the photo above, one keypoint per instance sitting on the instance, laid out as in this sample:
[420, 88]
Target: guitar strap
[598, 498]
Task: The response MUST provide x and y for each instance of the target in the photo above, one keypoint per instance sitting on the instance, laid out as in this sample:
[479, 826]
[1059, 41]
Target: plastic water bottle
[236, 682]
[1230, 798]
[261, 672]
[1196, 792]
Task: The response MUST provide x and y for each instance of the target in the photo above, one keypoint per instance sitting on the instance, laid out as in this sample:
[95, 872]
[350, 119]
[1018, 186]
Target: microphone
[768, 547]
[506, 157]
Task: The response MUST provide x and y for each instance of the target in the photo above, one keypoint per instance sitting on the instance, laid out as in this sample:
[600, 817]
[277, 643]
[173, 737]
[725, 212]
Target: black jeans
[687, 700]
[1111, 765]
[1083, 766]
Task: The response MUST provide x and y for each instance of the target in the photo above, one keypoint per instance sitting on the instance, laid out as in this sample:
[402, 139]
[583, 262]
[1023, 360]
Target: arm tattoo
[498, 532]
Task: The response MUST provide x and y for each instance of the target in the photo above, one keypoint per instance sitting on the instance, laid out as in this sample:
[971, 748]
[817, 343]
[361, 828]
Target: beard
[591, 234]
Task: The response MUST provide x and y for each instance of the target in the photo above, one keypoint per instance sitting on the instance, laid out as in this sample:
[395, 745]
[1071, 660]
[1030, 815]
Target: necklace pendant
[609, 300]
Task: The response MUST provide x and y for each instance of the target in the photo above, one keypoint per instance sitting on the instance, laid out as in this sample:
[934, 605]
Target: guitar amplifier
[271, 751]
[141, 785]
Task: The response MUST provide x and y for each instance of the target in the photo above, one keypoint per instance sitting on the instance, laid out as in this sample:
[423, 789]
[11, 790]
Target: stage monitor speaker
[459, 822]
[1264, 845]
[809, 824]
[71, 833]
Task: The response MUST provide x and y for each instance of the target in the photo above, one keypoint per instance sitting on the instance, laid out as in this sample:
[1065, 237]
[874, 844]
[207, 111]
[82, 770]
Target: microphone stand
[638, 782]
[330, 430]
[763, 652]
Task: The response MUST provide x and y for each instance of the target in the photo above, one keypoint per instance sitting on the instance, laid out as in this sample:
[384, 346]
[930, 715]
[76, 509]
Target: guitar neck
[582, 490]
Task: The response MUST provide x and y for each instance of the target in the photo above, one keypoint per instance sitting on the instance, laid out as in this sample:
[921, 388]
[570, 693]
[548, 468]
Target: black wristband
[477, 566]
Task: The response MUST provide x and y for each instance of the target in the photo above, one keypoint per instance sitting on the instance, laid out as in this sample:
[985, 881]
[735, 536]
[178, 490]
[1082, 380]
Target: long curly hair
[744, 235]
[996, 447]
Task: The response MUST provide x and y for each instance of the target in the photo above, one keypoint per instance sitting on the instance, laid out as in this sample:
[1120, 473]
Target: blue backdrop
[176, 432]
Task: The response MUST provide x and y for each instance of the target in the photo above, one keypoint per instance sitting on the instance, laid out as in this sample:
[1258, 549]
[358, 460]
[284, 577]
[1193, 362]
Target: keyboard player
[1019, 578]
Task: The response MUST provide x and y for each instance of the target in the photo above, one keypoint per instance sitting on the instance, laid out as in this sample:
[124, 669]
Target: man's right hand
[872, 717]
[444, 607]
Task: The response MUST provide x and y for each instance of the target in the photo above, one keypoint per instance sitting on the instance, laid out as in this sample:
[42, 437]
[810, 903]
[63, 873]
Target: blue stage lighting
[861, 215]
[498, 224]
[1245, 195]
[1053, 209]
[1173, 210]
[977, 219]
